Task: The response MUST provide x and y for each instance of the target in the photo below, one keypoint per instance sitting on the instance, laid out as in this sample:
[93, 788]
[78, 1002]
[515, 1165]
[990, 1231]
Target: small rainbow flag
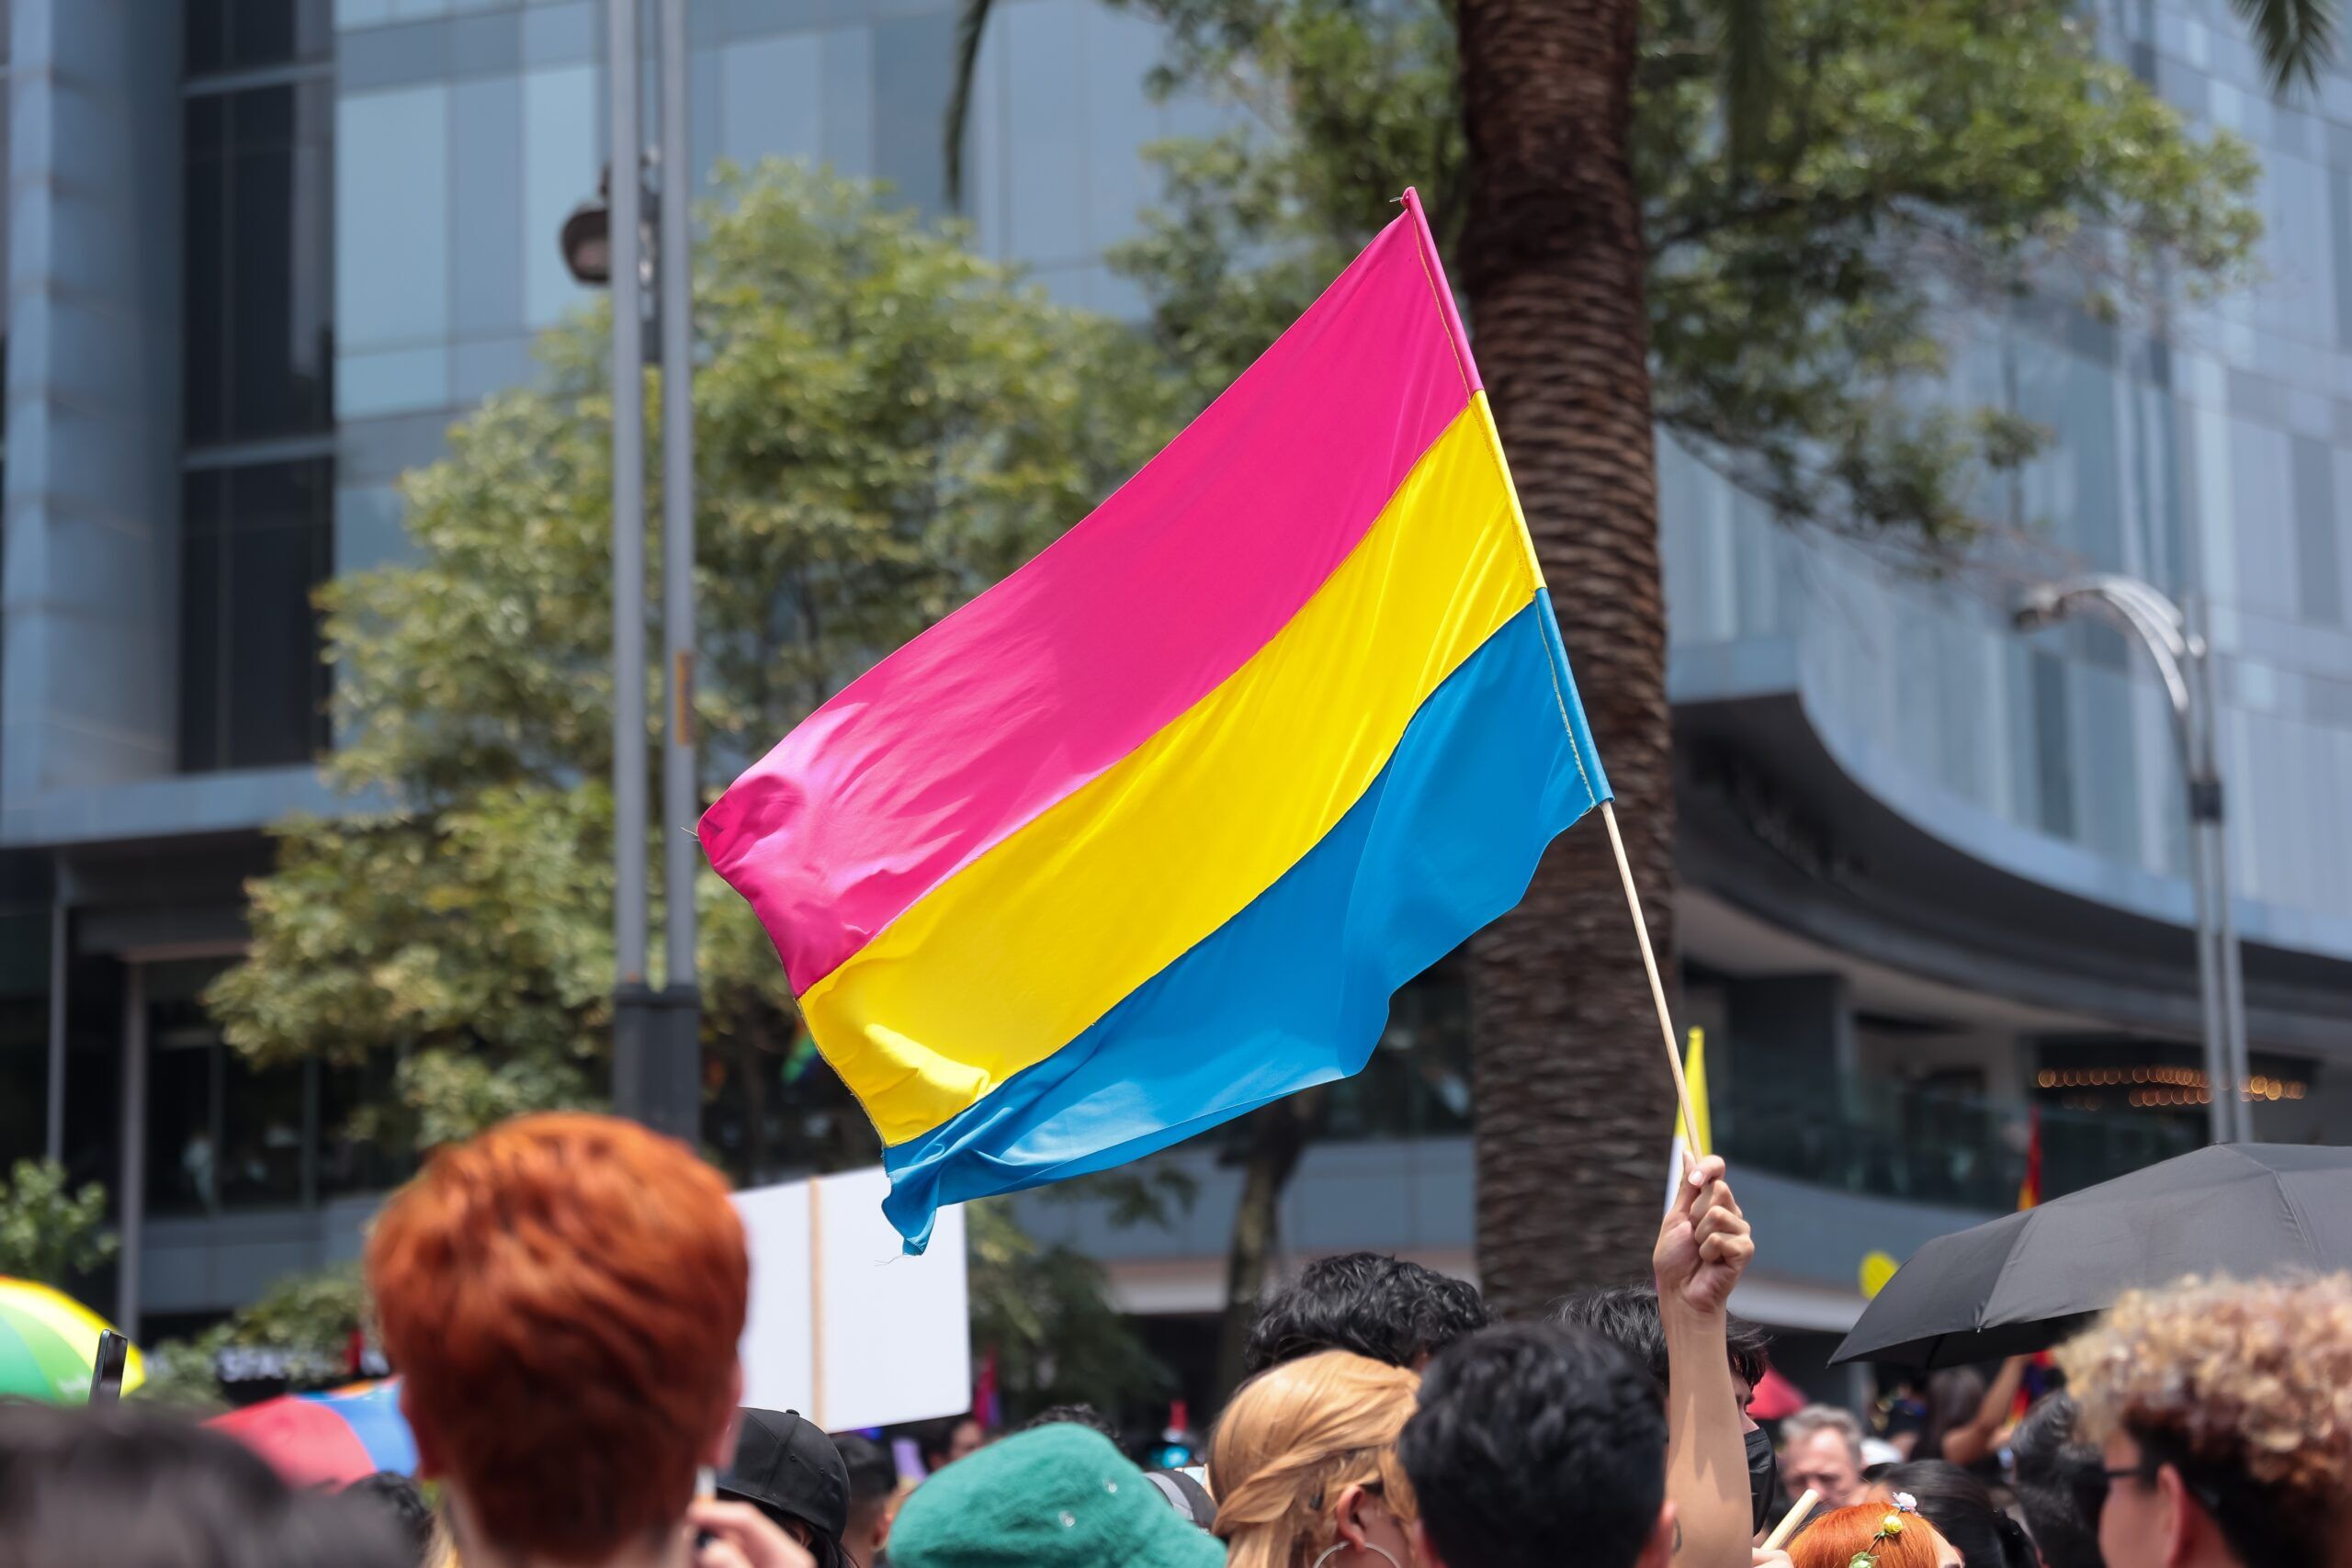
[1145, 836]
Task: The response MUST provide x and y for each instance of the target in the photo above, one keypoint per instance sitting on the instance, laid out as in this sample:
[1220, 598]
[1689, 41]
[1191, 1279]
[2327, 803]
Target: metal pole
[2178, 656]
[133, 1197]
[680, 1060]
[2210, 809]
[2219, 1125]
[59, 930]
[630, 1042]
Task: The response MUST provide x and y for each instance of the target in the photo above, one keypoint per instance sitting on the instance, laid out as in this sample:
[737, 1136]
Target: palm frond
[971, 22]
[2296, 37]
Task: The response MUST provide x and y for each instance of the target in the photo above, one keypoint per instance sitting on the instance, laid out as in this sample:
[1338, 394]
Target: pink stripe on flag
[960, 737]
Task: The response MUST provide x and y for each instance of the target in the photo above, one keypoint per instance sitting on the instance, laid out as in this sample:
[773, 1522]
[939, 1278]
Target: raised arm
[1701, 1249]
[1967, 1443]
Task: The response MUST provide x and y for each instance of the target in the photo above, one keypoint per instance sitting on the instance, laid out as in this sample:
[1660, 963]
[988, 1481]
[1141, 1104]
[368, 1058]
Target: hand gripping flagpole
[1649, 964]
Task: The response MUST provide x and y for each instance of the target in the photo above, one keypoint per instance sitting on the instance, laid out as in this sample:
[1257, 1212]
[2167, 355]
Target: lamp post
[657, 1034]
[2183, 661]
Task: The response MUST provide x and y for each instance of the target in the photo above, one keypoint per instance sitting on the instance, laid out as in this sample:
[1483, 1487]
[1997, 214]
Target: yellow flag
[1702, 1142]
[1701, 1138]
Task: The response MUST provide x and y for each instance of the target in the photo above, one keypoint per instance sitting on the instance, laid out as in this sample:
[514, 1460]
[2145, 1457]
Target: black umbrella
[2028, 1280]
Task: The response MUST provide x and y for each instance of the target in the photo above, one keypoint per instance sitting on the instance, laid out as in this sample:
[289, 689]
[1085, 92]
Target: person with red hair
[563, 1296]
[1886, 1535]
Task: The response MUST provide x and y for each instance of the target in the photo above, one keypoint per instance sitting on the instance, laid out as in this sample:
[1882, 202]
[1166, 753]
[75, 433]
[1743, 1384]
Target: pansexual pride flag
[1145, 836]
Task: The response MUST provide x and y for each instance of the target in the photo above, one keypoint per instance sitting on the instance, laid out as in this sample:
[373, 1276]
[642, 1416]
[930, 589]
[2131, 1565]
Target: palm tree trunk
[1572, 1106]
[1277, 1137]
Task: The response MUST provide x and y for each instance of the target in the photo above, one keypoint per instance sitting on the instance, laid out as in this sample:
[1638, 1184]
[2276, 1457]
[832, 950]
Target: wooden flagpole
[1649, 964]
[1795, 1520]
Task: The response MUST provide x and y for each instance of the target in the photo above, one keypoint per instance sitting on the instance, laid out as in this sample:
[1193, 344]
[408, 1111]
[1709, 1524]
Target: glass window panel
[259, 236]
[363, 1144]
[914, 71]
[262, 118]
[24, 1035]
[2262, 518]
[261, 1134]
[200, 508]
[271, 32]
[253, 689]
[183, 1159]
[1120, 49]
[772, 98]
[1045, 159]
[391, 242]
[275, 558]
[399, 380]
[367, 531]
[849, 147]
[2052, 745]
[262, 397]
[205, 366]
[2318, 579]
[486, 116]
[561, 158]
[208, 36]
[23, 1080]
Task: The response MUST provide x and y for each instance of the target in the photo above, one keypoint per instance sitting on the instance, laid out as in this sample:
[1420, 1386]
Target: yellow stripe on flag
[1014, 956]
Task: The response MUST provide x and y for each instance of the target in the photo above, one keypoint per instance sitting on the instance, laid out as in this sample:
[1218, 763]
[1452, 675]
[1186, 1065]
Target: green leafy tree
[1043, 1310]
[886, 424]
[1753, 224]
[299, 1331]
[49, 1232]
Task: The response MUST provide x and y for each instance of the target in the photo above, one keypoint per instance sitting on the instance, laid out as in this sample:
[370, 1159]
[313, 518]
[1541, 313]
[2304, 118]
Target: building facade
[262, 252]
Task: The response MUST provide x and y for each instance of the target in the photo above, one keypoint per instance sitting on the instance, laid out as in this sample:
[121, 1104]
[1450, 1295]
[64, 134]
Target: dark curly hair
[1627, 1316]
[1366, 1303]
[1534, 1444]
[1080, 1415]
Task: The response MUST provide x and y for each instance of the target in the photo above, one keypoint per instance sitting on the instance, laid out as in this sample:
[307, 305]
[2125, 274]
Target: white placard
[843, 1326]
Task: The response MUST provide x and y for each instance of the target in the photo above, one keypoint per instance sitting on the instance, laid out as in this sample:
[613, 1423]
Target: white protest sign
[843, 1326]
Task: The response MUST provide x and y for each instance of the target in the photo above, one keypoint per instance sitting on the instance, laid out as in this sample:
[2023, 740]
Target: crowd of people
[563, 1296]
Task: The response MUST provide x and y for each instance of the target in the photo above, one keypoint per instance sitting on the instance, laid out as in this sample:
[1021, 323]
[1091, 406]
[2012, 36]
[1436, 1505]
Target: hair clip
[1888, 1529]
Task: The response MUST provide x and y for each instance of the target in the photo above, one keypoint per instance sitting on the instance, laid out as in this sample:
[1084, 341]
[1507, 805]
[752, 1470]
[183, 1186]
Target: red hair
[563, 1296]
[1831, 1540]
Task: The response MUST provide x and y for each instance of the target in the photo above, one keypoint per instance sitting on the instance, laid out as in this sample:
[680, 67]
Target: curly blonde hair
[1295, 1438]
[2251, 1379]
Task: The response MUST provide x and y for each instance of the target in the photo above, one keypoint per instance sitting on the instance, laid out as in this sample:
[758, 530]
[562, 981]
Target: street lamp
[2184, 663]
[657, 1035]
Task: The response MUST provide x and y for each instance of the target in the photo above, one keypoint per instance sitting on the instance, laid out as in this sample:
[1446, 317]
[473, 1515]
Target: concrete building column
[88, 687]
[131, 1200]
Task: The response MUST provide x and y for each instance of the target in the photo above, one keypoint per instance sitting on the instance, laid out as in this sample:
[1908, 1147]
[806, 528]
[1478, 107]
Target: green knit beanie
[1060, 1496]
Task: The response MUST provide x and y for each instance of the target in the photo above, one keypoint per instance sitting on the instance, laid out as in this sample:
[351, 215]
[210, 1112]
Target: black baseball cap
[786, 1467]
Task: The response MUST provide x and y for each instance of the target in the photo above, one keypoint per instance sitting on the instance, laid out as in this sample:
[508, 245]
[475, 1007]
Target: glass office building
[262, 252]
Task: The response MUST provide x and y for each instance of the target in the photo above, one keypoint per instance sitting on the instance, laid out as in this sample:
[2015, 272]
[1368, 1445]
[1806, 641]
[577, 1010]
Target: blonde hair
[2251, 1377]
[1295, 1438]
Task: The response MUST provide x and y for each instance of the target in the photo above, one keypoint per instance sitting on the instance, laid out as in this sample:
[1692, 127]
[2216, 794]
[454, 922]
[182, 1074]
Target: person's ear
[721, 1454]
[1349, 1517]
[2184, 1517]
[1659, 1550]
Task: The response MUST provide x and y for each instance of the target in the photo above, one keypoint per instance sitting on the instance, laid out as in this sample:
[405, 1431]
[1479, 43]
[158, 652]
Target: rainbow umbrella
[328, 1439]
[47, 1341]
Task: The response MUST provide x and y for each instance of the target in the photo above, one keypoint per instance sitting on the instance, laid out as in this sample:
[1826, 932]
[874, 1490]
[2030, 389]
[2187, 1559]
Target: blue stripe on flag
[1293, 990]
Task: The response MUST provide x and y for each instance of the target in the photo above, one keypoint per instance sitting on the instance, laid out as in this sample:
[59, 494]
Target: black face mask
[1763, 1475]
